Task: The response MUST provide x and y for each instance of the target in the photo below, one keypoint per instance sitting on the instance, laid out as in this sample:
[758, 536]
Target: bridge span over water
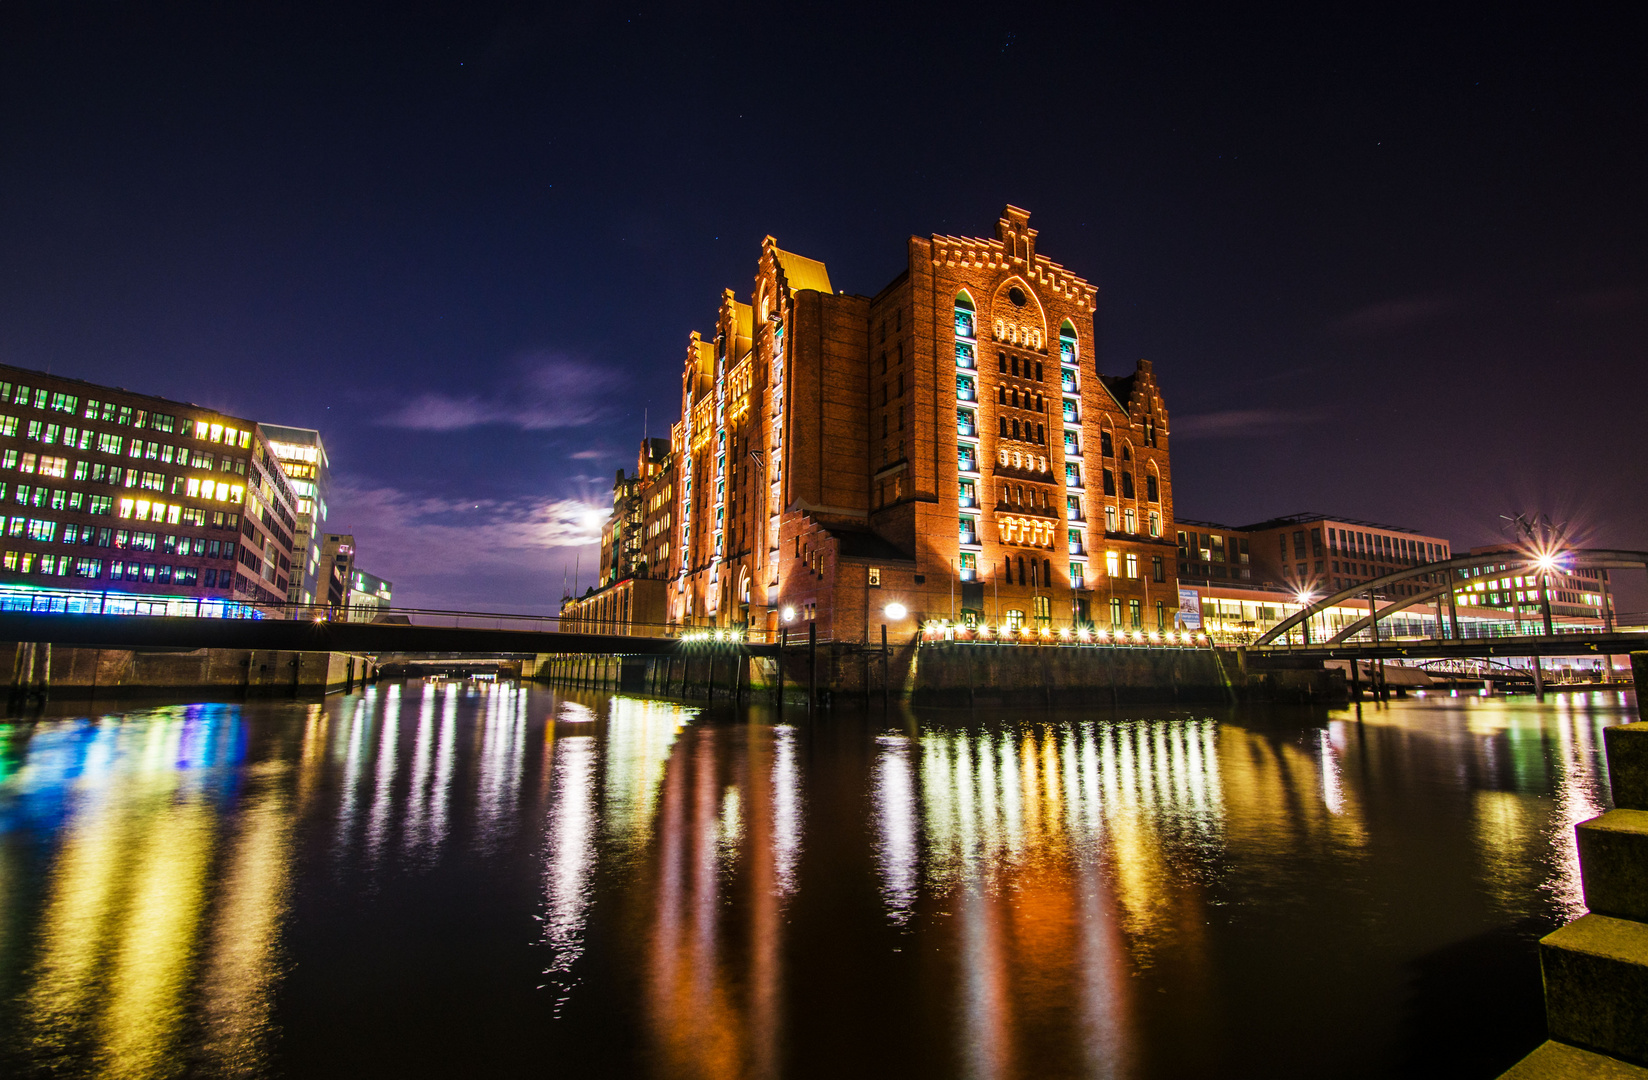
[171, 632]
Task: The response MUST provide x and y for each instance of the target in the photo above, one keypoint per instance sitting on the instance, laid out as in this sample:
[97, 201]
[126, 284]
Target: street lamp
[1306, 598]
[894, 610]
[789, 614]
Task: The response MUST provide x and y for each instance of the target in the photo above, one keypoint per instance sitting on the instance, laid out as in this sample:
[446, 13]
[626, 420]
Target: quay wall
[40, 670]
[949, 675]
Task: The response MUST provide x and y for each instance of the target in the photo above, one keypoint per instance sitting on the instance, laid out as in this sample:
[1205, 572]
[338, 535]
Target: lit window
[1132, 565]
[1112, 564]
[966, 321]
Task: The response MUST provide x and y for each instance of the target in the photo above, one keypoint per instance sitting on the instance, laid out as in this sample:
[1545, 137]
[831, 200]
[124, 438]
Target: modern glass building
[118, 501]
[302, 454]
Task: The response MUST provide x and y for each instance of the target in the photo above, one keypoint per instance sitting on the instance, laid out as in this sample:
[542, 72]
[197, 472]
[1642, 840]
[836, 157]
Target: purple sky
[1392, 264]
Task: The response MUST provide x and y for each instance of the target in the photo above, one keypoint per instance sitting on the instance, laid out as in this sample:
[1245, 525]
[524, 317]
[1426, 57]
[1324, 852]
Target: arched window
[966, 321]
[966, 333]
[1067, 344]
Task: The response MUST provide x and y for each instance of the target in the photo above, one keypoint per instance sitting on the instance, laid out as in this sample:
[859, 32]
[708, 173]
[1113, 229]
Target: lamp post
[894, 611]
[1306, 597]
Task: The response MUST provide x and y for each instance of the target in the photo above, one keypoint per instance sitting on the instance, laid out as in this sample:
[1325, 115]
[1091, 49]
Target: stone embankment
[39, 670]
[955, 675]
[1596, 967]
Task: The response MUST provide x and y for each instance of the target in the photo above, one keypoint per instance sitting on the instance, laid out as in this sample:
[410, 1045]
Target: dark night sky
[1389, 263]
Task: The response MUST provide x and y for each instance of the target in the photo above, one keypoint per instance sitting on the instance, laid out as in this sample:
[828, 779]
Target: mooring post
[1539, 678]
[885, 690]
[783, 640]
[711, 695]
[1355, 679]
[812, 665]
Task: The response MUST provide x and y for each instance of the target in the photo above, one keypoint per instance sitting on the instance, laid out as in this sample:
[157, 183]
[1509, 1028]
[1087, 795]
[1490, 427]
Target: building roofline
[124, 390]
[1300, 519]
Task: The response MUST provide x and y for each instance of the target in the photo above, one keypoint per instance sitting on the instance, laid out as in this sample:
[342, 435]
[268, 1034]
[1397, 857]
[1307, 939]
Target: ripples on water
[432, 879]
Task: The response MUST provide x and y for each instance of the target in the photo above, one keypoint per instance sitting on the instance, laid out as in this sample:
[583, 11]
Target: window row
[1152, 489]
[1010, 395]
[106, 411]
[1010, 429]
[114, 445]
[46, 531]
[1025, 369]
[28, 562]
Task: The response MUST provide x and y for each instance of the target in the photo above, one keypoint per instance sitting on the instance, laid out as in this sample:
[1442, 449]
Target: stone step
[1613, 863]
[1627, 749]
[1596, 985]
[1559, 1061]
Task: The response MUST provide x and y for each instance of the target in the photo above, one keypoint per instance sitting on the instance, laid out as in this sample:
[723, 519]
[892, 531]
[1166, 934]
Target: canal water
[466, 879]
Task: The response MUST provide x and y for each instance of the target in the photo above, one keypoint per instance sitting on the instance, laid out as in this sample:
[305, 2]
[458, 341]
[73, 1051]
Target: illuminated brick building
[635, 541]
[947, 446]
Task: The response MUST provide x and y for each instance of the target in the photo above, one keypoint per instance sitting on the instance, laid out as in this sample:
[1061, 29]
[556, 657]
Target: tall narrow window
[1067, 344]
[966, 320]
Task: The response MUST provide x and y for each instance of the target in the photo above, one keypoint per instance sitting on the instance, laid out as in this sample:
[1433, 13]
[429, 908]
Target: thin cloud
[1392, 315]
[588, 455]
[549, 394]
[1240, 423]
[399, 533]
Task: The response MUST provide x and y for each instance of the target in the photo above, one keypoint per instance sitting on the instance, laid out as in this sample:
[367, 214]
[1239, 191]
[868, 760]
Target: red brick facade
[833, 447]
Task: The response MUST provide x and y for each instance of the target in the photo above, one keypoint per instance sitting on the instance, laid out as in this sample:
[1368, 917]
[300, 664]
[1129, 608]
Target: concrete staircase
[1596, 967]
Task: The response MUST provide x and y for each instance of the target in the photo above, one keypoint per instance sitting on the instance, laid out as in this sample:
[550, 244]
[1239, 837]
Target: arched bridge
[1439, 583]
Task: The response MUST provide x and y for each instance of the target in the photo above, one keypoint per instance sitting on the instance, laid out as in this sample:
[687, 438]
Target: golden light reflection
[728, 812]
[116, 951]
[154, 949]
[1066, 854]
[569, 860]
[242, 967]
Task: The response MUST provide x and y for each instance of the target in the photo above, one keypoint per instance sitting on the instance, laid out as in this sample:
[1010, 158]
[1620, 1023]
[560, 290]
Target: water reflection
[728, 837]
[119, 937]
[570, 856]
[1051, 896]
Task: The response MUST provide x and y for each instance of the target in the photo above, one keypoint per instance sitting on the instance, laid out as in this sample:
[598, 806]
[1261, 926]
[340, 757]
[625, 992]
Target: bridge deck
[168, 632]
[1616, 643]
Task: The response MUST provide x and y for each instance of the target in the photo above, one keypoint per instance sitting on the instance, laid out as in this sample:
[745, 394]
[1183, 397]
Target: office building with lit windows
[945, 452]
[335, 570]
[122, 502]
[370, 596]
[302, 456]
[1320, 554]
[1511, 593]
